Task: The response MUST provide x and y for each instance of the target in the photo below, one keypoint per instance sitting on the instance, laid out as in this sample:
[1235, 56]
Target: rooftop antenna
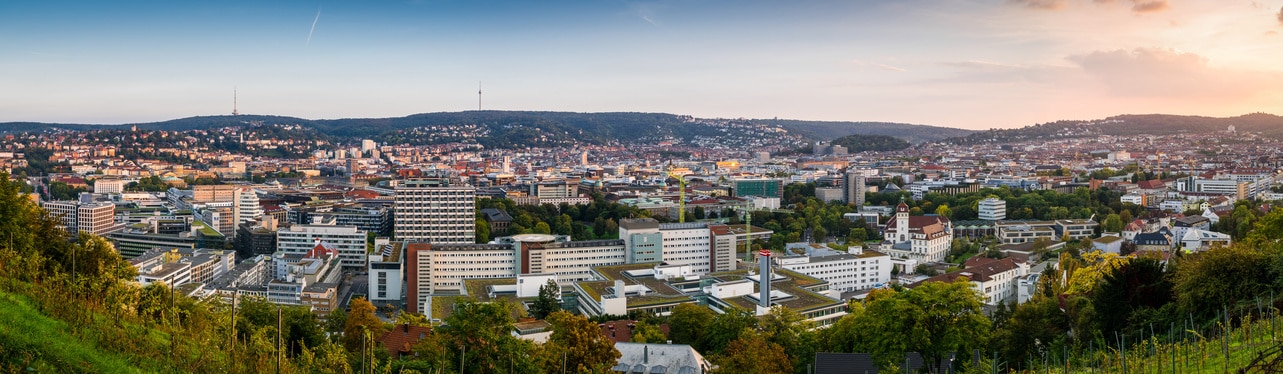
[234, 112]
[478, 96]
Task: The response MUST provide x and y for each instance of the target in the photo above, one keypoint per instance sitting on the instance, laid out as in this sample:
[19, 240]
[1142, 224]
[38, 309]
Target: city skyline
[969, 64]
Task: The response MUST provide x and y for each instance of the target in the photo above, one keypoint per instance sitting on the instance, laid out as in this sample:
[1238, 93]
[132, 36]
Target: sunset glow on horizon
[971, 63]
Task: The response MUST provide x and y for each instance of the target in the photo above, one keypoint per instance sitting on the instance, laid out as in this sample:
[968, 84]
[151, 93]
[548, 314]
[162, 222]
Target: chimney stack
[764, 299]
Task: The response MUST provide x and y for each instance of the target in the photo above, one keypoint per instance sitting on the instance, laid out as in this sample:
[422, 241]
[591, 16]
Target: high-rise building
[246, 206]
[94, 218]
[992, 209]
[855, 187]
[367, 145]
[435, 210]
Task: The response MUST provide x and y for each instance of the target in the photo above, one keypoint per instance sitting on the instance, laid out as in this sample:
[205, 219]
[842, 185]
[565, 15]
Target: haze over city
[968, 64]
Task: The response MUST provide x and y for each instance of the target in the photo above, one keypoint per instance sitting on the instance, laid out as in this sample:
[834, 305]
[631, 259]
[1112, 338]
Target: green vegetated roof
[205, 229]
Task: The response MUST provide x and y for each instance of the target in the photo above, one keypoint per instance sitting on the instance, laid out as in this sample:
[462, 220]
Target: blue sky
[960, 63]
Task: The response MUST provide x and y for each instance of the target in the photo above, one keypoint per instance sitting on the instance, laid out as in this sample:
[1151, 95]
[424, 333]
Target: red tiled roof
[1151, 184]
[402, 339]
[621, 331]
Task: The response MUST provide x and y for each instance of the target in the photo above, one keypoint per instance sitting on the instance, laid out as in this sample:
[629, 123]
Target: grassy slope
[29, 339]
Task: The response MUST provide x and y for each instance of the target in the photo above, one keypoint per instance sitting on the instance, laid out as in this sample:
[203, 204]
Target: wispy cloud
[309, 32]
[1138, 6]
[1041, 4]
[879, 66]
[1148, 6]
[1157, 72]
[646, 11]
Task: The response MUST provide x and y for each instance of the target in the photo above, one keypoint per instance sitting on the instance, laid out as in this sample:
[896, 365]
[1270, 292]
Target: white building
[348, 240]
[110, 185]
[94, 218]
[1201, 240]
[436, 211]
[993, 209]
[998, 280]
[857, 269]
[706, 248]
[246, 206]
[442, 268]
[924, 238]
[387, 273]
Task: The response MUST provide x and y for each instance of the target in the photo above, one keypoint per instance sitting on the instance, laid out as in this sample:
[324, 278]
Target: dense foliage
[877, 143]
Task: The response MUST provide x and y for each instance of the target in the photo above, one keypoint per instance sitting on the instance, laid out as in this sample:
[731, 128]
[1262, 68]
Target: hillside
[510, 129]
[829, 130]
[1130, 124]
[877, 143]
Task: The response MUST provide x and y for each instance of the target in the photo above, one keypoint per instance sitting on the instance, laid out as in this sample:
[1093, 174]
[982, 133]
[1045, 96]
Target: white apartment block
[435, 211]
[348, 240]
[854, 270]
[993, 209]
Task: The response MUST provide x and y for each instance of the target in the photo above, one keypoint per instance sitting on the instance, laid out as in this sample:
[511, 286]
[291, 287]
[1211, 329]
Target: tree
[549, 300]
[1113, 223]
[482, 231]
[647, 333]
[359, 321]
[751, 353]
[700, 213]
[542, 228]
[688, 323]
[933, 319]
[584, 348]
[412, 319]
[482, 331]
[726, 327]
[794, 332]
[944, 211]
[1222, 277]
[1139, 284]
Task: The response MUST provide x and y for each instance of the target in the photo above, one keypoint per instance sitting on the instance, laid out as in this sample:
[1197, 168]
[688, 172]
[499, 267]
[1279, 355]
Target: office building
[993, 209]
[349, 241]
[757, 187]
[435, 210]
[92, 218]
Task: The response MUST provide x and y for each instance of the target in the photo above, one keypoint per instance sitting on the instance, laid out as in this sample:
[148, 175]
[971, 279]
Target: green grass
[31, 341]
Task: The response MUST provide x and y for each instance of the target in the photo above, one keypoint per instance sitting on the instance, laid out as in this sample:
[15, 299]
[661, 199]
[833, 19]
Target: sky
[973, 64]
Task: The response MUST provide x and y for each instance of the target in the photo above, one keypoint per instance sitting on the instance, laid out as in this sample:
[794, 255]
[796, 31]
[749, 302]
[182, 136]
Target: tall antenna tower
[234, 112]
[478, 96]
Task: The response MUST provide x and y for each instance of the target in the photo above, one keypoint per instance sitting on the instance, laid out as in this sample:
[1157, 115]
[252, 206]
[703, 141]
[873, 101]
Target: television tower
[478, 96]
[234, 112]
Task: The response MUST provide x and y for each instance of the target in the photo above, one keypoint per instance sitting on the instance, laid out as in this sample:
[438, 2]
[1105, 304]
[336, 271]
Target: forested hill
[520, 128]
[876, 143]
[1131, 124]
[829, 130]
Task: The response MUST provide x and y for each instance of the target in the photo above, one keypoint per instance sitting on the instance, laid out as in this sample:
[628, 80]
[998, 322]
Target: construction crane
[681, 194]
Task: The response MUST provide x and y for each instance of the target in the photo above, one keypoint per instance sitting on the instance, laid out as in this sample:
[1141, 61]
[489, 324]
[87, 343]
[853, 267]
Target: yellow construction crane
[681, 194]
